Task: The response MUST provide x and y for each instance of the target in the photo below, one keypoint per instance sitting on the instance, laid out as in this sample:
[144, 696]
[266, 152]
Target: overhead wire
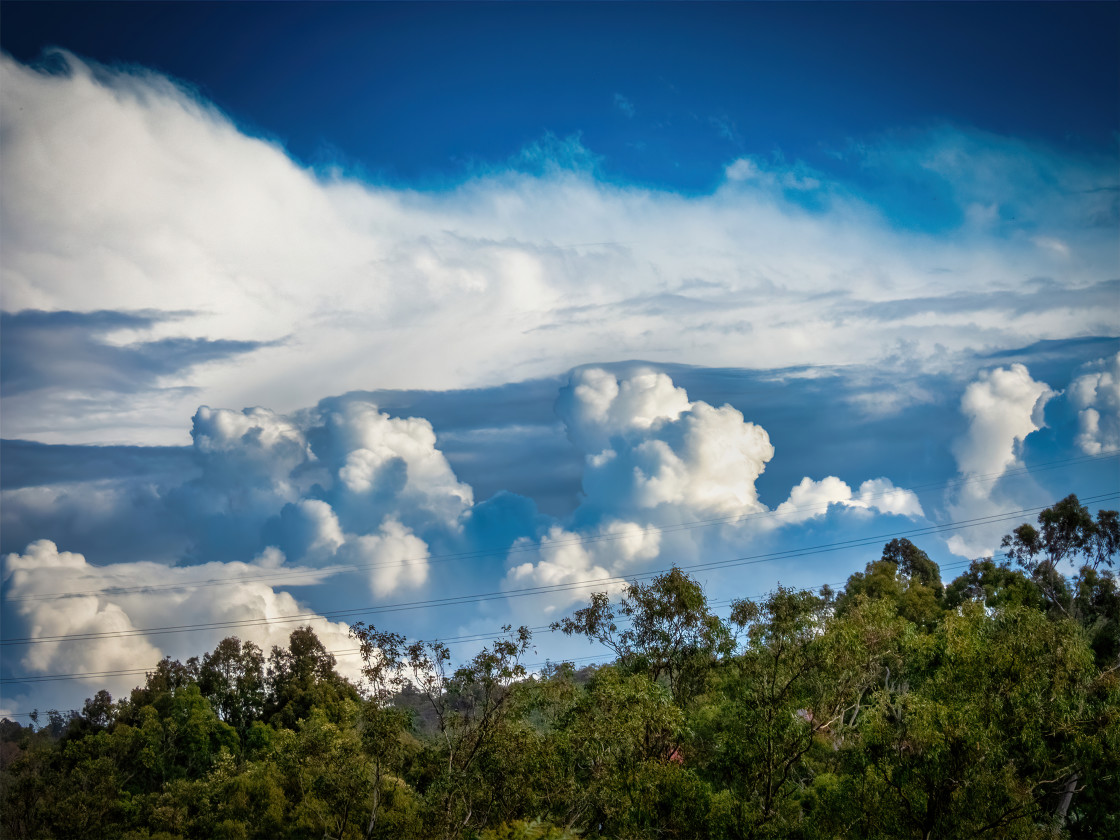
[528, 591]
[536, 590]
[428, 559]
[463, 639]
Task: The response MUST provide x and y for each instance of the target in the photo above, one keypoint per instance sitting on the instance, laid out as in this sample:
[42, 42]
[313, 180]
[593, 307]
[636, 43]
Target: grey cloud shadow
[1046, 296]
[1049, 360]
[65, 350]
[31, 464]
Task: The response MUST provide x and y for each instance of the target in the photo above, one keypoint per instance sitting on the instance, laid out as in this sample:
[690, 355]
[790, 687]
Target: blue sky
[310, 308]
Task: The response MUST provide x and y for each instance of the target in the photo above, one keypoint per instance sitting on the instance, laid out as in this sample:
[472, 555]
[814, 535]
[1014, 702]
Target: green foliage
[232, 678]
[906, 577]
[987, 707]
[671, 635]
[528, 830]
[302, 677]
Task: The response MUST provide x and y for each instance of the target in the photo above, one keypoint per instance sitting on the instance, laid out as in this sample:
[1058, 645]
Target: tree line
[898, 707]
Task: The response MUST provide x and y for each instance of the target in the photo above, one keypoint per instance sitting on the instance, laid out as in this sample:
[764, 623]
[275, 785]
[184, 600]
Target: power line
[474, 637]
[281, 576]
[535, 590]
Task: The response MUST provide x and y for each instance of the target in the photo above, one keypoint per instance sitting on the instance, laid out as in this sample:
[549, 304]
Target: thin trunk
[376, 801]
[1067, 796]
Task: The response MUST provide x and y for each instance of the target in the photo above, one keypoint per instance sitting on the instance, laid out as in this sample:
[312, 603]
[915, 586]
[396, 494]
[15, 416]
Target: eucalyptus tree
[664, 629]
[471, 705]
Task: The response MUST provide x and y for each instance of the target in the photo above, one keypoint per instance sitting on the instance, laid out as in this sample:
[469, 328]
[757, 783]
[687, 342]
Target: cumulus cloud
[1002, 406]
[388, 463]
[130, 598]
[124, 192]
[337, 493]
[595, 406]
[348, 492]
[306, 483]
[811, 498]
[313, 482]
[560, 558]
[657, 460]
[652, 455]
[1096, 396]
[397, 558]
[310, 530]
[254, 445]
[648, 446]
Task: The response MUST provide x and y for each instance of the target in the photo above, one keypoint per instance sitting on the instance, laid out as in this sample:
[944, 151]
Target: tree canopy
[897, 707]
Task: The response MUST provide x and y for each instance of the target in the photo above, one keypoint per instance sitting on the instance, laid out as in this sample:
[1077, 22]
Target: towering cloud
[656, 461]
[1096, 396]
[1002, 406]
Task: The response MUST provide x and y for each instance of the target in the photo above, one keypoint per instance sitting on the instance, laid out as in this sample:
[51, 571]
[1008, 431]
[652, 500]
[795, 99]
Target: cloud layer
[124, 193]
[150, 243]
[347, 495]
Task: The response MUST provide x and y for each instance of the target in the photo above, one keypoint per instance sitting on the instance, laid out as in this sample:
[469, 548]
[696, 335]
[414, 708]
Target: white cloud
[378, 478]
[1003, 406]
[398, 558]
[623, 544]
[595, 406]
[121, 191]
[665, 459]
[369, 443]
[253, 448]
[314, 527]
[150, 595]
[1096, 395]
[1052, 244]
[560, 559]
[351, 490]
[811, 498]
[657, 460]
[790, 178]
[742, 169]
[663, 450]
[881, 495]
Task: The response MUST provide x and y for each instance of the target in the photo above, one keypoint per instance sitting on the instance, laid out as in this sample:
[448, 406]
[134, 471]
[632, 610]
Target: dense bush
[895, 708]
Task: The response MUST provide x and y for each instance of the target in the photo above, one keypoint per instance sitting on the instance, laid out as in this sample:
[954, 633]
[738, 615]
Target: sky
[445, 316]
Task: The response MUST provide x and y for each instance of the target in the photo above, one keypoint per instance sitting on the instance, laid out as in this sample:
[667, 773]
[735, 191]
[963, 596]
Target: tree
[905, 576]
[793, 691]
[1066, 534]
[470, 704]
[381, 723]
[671, 634]
[301, 677]
[978, 738]
[231, 677]
[331, 772]
[610, 737]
